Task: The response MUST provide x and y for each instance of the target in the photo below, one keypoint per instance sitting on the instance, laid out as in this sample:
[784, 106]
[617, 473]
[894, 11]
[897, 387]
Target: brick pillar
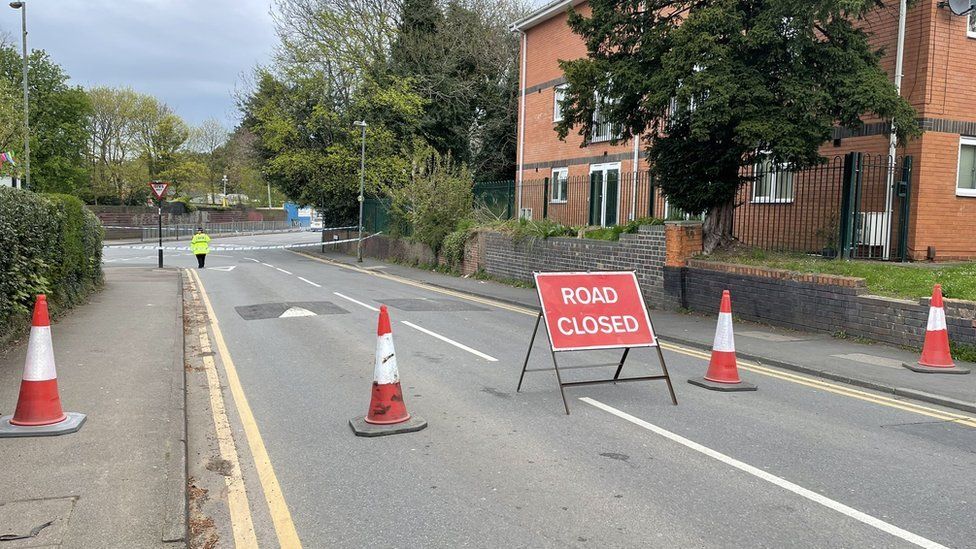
[682, 240]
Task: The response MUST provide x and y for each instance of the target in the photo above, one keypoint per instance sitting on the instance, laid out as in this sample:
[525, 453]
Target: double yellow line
[806, 381]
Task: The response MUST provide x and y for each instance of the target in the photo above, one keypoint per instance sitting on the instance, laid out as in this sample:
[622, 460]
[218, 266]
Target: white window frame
[964, 141]
[603, 207]
[971, 25]
[770, 198]
[558, 173]
[558, 94]
[613, 130]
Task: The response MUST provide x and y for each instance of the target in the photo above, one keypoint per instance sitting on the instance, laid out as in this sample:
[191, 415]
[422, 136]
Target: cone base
[71, 424]
[922, 369]
[363, 429]
[722, 387]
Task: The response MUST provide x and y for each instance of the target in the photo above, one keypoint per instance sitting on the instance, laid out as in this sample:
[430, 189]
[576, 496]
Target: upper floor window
[972, 24]
[966, 179]
[560, 184]
[603, 129]
[773, 182]
[557, 108]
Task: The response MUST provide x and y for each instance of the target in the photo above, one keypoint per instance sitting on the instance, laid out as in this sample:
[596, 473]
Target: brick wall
[819, 303]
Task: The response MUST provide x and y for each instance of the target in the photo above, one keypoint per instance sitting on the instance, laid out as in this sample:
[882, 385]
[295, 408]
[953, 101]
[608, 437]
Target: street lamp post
[22, 6]
[224, 198]
[362, 183]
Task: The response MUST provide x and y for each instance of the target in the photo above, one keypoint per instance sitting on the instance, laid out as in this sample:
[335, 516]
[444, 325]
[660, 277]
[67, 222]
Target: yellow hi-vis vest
[200, 244]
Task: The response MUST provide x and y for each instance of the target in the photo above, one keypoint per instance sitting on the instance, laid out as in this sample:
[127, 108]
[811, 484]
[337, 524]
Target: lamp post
[362, 183]
[22, 6]
[224, 198]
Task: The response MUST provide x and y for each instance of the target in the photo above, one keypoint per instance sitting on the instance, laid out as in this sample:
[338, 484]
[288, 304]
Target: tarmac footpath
[120, 481]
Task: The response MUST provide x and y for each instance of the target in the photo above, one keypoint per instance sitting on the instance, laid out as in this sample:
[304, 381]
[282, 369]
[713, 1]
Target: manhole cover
[289, 309]
[19, 518]
[431, 305]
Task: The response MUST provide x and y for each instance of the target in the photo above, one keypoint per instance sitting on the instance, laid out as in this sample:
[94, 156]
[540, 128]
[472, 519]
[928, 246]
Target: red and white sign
[159, 188]
[594, 311]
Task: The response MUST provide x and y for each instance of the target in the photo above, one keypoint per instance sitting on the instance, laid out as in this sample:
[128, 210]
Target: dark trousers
[200, 259]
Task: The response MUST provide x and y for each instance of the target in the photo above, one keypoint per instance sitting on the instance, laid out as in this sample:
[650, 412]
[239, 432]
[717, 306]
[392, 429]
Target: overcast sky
[191, 54]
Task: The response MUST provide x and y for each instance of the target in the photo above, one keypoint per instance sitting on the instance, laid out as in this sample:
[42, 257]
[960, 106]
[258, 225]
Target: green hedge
[49, 244]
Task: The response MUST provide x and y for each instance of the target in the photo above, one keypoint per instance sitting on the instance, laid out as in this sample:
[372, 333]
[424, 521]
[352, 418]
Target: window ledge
[966, 192]
[558, 201]
[971, 34]
[771, 201]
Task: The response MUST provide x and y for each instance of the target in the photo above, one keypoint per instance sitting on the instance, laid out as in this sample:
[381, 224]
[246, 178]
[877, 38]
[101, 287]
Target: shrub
[452, 249]
[51, 244]
[614, 232]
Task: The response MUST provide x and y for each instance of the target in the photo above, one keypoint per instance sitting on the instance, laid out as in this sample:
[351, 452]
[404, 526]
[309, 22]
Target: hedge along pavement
[49, 244]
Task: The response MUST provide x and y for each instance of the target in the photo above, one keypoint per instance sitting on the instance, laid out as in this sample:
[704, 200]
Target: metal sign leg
[529, 352]
[620, 366]
[559, 380]
[667, 377]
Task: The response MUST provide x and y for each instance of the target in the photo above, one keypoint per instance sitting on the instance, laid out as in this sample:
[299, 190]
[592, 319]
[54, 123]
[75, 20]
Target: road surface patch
[40, 522]
[772, 479]
[262, 311]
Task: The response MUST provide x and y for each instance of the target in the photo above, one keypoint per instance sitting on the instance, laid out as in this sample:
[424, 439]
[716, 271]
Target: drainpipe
[633, 197]
[521, 143]
[893, 139]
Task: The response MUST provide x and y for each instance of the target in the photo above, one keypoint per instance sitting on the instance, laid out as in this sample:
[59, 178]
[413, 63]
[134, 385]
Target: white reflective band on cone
[724, 340]
[937, 319]
[40, 355]
[385, 371]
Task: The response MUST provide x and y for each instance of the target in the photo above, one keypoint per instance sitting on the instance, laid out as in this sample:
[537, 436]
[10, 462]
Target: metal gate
[875, 204]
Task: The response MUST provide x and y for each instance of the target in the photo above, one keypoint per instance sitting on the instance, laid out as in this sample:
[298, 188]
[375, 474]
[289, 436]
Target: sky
[191, 54]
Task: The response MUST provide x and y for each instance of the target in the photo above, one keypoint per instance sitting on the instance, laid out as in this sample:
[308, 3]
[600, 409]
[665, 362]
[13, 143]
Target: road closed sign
[594, 311]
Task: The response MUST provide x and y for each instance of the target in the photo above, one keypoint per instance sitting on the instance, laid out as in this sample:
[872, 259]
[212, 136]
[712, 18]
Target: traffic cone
[723, 372]
[936, 357]
[38, 411]
[387, 412]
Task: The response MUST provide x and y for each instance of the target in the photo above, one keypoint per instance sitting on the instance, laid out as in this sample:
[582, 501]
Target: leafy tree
[712, 85]
[208, 139]
[160, 134]
[11, 121]
[58, 117]
[112, 142]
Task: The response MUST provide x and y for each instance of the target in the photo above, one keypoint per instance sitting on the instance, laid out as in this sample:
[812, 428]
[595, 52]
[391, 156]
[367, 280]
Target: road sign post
[594, 311]
[159, 190]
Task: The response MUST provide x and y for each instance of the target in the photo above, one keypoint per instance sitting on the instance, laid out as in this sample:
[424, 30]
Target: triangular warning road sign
[296, 311]
[159, 188]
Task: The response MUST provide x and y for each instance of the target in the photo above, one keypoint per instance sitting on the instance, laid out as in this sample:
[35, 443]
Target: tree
[160, 134]
[713, 85]
[58, 117]
[11, 121]
[207, 139]
[112, 142]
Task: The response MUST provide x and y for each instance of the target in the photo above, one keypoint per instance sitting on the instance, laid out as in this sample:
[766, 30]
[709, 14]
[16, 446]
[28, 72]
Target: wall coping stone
[781, 274]
[683, 223]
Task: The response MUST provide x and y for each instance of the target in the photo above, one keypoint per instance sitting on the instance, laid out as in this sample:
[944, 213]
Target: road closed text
[594, 310]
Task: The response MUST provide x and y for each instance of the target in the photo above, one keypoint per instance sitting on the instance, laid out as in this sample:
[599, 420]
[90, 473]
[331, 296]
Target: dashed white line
[462, 346]
[252, 259]
[357, 302]
[282, 270]
[309, 281]
[268, 265]
[773, 479]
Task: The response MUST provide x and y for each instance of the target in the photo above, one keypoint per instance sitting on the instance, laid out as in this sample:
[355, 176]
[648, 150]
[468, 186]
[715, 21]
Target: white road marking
[282, 270]
[268, 265]
[252, 259]
[489, 358]
[370, 307]
[773, 479]
[309, 281]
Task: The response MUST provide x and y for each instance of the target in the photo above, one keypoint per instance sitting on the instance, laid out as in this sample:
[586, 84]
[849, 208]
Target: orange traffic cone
[387, 412]
[936, 357]
[38, 411]
[723, 372]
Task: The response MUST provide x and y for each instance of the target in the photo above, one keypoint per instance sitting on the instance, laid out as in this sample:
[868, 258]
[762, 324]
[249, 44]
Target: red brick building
[606, 184]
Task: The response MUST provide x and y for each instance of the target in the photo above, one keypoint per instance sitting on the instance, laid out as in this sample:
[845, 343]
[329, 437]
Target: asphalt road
[794, 464]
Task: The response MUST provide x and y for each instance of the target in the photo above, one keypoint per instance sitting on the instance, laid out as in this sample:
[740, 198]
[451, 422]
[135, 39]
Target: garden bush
[49, 244]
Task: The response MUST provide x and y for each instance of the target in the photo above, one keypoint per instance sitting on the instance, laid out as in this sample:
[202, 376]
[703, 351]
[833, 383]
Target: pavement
[874, 366]
[119, 481]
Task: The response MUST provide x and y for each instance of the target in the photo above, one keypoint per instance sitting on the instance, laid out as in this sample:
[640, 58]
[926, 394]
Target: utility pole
[22, 6]
[269, 195]
[224, 198]
[893, 138]
[362, 184]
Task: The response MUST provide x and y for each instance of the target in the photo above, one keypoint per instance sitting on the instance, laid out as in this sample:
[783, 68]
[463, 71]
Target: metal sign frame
[619, 365]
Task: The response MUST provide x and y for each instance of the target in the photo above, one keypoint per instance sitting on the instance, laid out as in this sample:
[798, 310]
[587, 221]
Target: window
[559, 93]
[773, 183]
[603, 129]
[971, 31]
[966, 179]
[559, 185]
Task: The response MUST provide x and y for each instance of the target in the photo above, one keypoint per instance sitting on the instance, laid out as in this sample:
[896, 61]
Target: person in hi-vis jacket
[200, 246]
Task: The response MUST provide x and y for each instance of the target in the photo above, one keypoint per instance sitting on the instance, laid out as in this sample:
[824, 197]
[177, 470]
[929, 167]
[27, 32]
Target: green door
[611, 193]
[596, 197]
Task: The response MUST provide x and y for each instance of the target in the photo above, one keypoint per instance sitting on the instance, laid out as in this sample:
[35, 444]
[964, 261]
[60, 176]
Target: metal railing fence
[187, 230]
